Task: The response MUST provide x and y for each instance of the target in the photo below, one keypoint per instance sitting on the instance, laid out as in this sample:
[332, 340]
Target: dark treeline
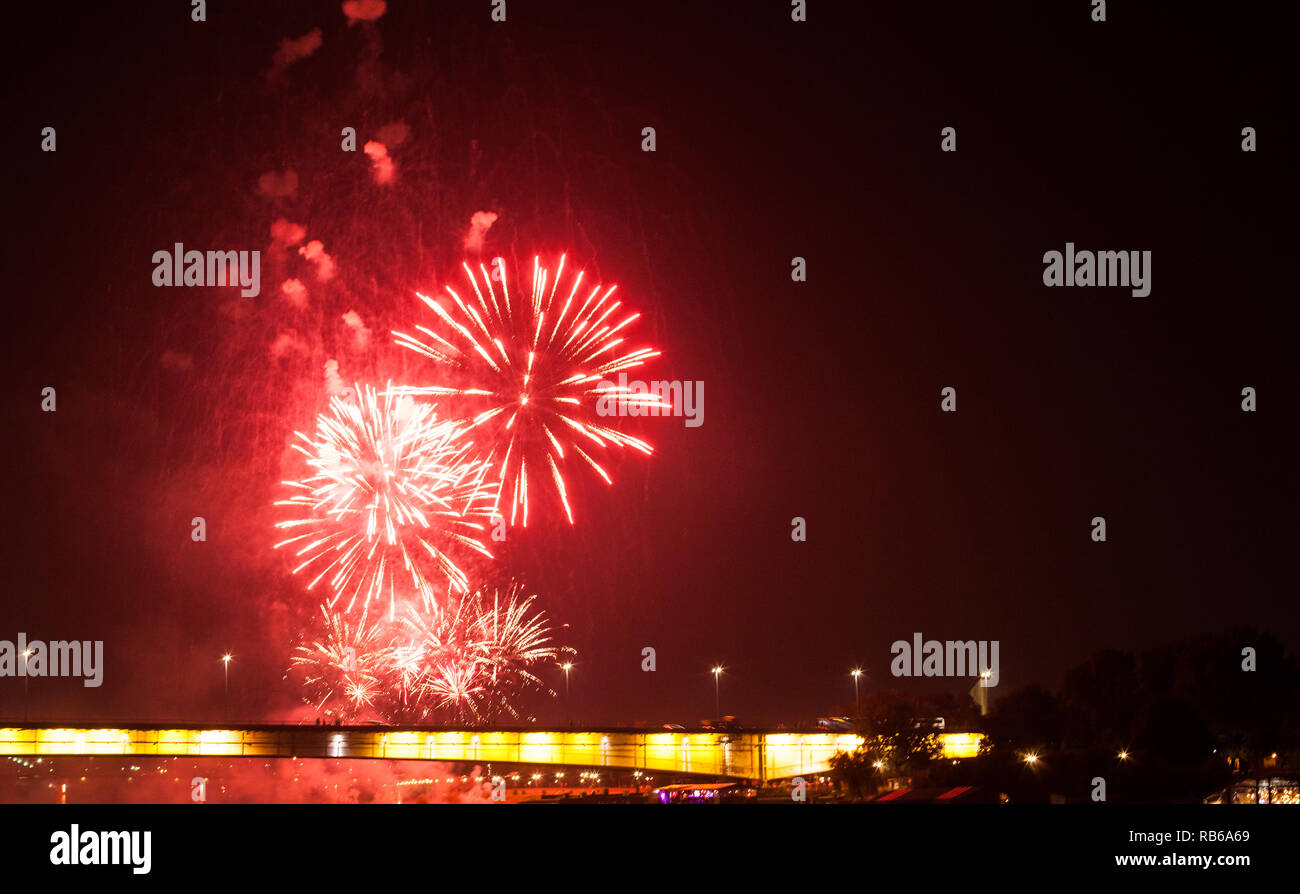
[1175, 723]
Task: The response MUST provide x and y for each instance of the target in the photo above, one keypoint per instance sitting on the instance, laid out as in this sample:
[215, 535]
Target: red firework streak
[539, 368]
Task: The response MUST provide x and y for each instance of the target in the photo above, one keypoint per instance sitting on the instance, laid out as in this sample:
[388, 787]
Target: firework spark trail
[391, 488]
[437, 658]
[468, 661]
[541, 372]
[477, 658]
[512, 639]
[344, 671]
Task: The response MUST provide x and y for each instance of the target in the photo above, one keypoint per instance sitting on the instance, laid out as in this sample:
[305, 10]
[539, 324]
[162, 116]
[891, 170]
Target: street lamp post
[568, 714]
[857, 702]
[27, 653]
[225, 661]
[717, 696]
[984, 692]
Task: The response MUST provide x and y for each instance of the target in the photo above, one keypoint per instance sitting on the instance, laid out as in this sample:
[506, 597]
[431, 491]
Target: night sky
[822, 399]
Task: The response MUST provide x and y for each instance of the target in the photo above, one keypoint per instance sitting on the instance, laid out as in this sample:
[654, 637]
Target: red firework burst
[538, 367]
[392, 489]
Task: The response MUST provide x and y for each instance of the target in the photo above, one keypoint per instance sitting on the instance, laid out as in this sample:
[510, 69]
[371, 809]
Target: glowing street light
[27, 653]
[983, 699]
[717, 692]
[225, 662]
[1031, 758]
[568, 715]
[1123, 755]
[857, 702]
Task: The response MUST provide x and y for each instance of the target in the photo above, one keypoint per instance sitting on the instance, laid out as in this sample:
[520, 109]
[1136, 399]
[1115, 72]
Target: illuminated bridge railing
[739, 754]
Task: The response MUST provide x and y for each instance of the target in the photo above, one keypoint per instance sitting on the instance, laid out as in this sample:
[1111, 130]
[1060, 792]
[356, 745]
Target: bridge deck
[742, 754]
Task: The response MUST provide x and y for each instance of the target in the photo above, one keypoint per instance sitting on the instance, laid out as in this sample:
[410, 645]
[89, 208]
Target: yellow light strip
[742, 755]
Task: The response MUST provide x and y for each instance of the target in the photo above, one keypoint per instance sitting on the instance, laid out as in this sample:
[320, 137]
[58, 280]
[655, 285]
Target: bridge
[741, 754]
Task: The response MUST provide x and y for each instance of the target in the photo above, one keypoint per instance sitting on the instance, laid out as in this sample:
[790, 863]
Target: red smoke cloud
[361, 335]
[285, 234]
[363, 10]
[141, 780]
[278, 186]
[295, 48]
[314, 251]
[382, 165]
[294, 292]
[393, 134]
[176, 360]
[479, 224]
[334, 383]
